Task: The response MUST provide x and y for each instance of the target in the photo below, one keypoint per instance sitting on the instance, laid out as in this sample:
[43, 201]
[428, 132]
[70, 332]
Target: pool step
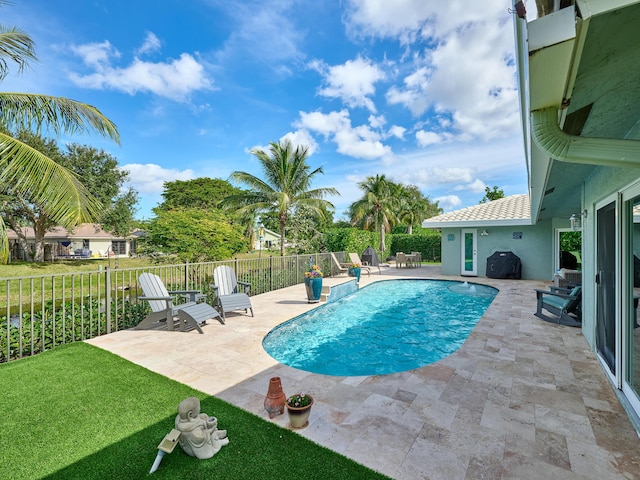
[326, 291]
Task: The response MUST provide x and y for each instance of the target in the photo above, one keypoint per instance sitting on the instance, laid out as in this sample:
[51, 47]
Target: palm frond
[31, 111]
[17, 46]
[54, 188]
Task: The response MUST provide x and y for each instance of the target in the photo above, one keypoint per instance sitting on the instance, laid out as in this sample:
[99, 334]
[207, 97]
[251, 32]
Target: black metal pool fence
[38, 313]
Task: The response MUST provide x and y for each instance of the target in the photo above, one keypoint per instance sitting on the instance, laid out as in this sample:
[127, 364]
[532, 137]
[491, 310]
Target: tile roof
[512, 210]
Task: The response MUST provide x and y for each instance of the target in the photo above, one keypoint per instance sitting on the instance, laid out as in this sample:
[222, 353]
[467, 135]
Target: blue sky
[421, 91]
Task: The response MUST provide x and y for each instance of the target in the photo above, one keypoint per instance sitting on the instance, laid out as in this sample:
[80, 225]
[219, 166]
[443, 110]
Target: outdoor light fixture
[484, 233]
[576, 220]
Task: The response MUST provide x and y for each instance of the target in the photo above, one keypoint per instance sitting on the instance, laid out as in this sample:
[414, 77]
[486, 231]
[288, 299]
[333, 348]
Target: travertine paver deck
[521, 399]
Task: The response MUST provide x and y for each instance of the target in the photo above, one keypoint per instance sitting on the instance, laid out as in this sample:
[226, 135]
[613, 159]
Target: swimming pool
[386, 327]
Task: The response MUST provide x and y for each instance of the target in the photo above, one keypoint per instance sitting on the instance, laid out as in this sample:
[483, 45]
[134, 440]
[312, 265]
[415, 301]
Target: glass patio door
[469, 253]
[631, 330]
[606, 285]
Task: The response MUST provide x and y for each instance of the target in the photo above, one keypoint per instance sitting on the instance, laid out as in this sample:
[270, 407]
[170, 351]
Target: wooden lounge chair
[355, 258]
[342, 267]
[563, 303]
[226, 288]
[164, 314]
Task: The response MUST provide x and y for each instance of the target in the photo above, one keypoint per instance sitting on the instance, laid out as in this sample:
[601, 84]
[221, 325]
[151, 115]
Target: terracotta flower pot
[275, 399]
[299, 416]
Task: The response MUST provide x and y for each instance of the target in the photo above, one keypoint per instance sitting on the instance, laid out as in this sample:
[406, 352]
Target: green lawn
[78, 412]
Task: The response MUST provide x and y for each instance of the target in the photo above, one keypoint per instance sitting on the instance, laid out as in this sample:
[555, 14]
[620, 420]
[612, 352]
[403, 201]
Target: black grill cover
[504, 265]
[370, 257]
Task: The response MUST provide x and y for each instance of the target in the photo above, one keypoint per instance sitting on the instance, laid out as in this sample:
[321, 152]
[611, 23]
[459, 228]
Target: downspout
[561, 146]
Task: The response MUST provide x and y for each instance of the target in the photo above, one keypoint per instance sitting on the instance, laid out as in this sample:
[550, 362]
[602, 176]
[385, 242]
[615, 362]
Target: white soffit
[551, 47]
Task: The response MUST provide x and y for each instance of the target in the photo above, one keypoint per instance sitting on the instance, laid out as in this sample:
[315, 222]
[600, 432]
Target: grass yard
[78, 412]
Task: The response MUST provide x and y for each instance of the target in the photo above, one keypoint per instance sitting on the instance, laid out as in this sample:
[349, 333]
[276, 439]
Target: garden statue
[199, 434]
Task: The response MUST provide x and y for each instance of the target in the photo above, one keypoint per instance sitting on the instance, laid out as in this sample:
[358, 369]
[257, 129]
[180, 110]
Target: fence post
[270, 273]
[107, 297]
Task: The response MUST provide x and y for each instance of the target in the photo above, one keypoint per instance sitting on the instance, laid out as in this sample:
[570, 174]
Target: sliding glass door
[606, 285]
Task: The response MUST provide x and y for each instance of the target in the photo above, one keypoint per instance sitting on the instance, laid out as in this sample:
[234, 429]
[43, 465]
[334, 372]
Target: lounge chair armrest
[183, 292]
[245, 285]
[154, 298]
[539, 293]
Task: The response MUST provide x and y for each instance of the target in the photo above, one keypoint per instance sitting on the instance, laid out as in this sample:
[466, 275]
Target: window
[119, 247]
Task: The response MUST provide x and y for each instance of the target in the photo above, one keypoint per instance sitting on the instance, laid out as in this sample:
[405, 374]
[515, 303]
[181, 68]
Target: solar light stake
[167, 445]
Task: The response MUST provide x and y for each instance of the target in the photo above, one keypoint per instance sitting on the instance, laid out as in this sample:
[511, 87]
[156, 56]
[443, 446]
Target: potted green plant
[313, 283]
[299, 408]
[354, 270]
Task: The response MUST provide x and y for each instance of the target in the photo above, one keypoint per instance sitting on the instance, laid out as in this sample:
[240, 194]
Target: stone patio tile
[564, 423]
[520, 399]
[520, 422]
[430, 461]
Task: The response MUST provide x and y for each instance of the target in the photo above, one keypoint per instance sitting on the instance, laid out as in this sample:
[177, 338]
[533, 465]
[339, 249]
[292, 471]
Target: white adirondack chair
[226, 288]
[164, 313]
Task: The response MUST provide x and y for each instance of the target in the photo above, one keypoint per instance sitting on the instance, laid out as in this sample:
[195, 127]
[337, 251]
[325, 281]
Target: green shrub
[429, 245]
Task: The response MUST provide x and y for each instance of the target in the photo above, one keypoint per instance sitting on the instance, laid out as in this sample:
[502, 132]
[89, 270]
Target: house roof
[83, 231]
[512, 210]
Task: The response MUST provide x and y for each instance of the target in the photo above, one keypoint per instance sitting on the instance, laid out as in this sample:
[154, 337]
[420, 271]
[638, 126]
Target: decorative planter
[355, 272]
[314, 289]
[299, 416]
[275, 399]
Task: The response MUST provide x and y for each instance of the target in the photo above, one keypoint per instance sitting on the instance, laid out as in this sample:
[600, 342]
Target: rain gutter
[561, 146]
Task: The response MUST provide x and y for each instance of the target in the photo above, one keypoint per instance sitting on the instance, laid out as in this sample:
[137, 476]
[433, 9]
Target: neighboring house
[86, 241]
[471, 235]
[265, 239]
[578, 70]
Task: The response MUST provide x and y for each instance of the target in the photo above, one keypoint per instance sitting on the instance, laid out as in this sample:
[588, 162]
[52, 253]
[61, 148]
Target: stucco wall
[600, 186]
[535, 249]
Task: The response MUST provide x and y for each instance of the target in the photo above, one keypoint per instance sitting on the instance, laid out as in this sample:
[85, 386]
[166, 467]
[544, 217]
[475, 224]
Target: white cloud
[301, 137]
[352, 82]
[448, 202]
[149, 178]
[397, 131]
[477, 186]
[458, 63]
[428, 138]
[452, 174]
[151, 44]
[358, 142]
[413, 19]
[175, 79]
[96, 55]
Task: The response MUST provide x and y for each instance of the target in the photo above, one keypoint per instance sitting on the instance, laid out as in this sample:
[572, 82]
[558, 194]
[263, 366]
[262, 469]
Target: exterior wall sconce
[576, 220]
[484, 232]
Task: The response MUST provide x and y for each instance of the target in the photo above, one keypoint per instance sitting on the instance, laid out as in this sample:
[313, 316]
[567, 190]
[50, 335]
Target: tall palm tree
[29, 172]
[288, 177]
[377, 206]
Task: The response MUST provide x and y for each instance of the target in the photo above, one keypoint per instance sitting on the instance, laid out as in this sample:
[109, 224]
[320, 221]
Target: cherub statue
[199, 434]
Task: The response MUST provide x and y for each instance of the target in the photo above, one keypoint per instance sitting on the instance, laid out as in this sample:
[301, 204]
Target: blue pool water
[386, 327]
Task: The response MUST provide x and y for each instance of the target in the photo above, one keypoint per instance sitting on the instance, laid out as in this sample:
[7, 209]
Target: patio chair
[342, 267]
[355, 258]
[565, 304]
[401, 258]
[227, 293]
[164, 314]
